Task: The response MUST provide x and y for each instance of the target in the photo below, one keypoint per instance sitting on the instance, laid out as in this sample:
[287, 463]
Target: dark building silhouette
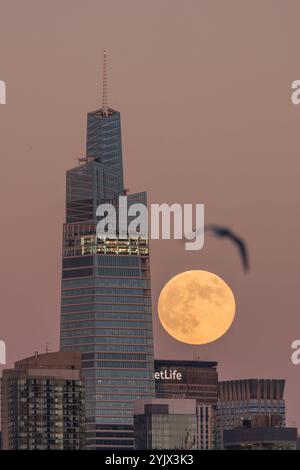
[260, 434]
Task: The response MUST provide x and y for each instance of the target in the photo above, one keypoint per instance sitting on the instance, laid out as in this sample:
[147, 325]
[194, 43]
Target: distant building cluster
[103, 389]
[43, 407]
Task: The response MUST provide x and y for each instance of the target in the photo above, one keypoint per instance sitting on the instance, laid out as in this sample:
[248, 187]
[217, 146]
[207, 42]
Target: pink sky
[204, 92]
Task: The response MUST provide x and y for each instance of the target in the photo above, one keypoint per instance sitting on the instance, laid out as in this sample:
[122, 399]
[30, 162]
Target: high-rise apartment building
[249, 399]
[42, 405]
[106, 308]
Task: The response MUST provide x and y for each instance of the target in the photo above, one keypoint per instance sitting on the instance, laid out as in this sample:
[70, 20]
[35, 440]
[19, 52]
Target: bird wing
[225, 232]
[242, 248]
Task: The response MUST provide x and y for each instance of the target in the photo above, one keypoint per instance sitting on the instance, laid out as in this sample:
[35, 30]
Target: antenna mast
[105, 85]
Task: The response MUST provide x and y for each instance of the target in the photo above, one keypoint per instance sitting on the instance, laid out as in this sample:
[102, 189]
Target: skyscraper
[42, 403]
[106, 308]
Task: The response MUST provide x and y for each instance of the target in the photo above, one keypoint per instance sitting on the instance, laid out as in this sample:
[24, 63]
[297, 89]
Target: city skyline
[243, 136]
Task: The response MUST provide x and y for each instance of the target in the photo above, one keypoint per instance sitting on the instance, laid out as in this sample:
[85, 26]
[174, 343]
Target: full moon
[196, 307]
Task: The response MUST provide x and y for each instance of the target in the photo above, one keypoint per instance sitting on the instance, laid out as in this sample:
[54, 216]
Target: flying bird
[225, 232]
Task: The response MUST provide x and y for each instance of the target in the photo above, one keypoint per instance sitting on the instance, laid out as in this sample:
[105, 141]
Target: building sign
[168, 375]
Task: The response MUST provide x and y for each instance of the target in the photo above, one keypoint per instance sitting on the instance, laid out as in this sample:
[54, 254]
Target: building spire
[105, 85]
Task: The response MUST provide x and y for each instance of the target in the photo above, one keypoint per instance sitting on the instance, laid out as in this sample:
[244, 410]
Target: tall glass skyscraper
[106, 308]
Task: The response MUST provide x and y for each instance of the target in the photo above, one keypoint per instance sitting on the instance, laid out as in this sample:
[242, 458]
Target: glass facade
[105, 145]
[87, 186]
[106, 310]
[163, 424]
[196, 380]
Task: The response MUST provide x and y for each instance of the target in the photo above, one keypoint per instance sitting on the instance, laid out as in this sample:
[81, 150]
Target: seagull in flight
[225, 232]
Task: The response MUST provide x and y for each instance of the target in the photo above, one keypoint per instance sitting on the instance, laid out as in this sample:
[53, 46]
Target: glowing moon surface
[196, 307]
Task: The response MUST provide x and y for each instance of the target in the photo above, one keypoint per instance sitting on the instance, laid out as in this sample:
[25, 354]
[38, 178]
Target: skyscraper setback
[106, 308]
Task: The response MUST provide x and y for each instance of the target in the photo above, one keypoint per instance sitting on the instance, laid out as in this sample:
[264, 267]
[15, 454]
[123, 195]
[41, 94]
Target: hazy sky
[204, 92]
